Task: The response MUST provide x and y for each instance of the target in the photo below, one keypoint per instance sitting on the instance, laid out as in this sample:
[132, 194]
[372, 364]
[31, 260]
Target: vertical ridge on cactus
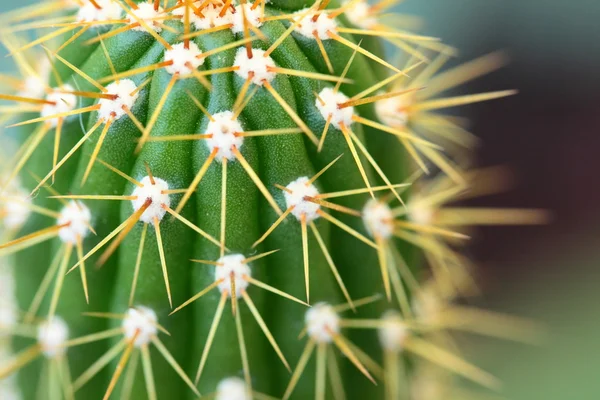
[173, 155]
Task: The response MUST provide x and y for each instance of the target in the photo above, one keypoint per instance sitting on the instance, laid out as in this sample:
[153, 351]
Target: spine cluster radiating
[237, 199]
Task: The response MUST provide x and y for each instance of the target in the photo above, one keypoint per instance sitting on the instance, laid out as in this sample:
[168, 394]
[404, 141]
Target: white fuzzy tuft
[258, 65]
[223, 129]
[253, 16]
[63, 102]
[16, 207]
[146, 13]
[184, 60]
[78, 216]
[378, 219]
[319, 28]
[52, 336]
[359, 14]
[232, 264]
[300, 189]
[210, 18]
[232, 389]
[420, 213]
[428, 306]
[109, 10]
[393, 111]
[8, 307]
[123, 89]
[393, 334]
[34, 85]
[156, 195]
[9, 315]
[328, 104]
[141, 321]
[322, 323]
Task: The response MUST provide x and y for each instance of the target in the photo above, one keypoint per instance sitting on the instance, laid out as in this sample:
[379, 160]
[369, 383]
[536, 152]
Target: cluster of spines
[402, 104]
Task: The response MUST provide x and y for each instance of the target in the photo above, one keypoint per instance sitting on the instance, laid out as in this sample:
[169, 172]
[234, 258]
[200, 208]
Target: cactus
[197, 183]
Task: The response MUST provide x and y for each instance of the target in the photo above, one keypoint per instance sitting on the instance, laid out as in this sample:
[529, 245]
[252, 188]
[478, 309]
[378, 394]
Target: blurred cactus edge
[241, 200]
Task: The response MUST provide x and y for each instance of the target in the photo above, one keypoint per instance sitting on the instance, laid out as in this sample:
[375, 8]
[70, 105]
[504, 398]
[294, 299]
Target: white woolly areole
[232, 389]
[154, 192]
[258, 65]
[52, 336]
[428, 305]
[8, 308]
[393, 333]
[253, 16]
[141, 321]
[9, 316]
[420, 213]
[210, 18]
[109, 10]
[123, 89]
[17, 210]
[62, 103]
[145, 12]
[393, 111]
[328, 104]
[378, 219]
[78, 216]
[184, 60]
[300, 189]
[223, 129]
[359, 13]
[34, 85]
[319, 28]
[322, 323]
[232, 264]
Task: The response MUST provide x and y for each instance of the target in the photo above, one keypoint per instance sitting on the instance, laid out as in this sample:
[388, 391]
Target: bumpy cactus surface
[233, 199]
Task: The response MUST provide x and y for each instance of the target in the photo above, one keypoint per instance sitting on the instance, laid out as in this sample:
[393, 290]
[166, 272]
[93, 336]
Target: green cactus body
[197, 127]
[276, 159]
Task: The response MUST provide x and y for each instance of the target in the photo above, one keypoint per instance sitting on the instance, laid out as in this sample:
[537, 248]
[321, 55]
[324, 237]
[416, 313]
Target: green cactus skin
[278, 159]
[168, 108]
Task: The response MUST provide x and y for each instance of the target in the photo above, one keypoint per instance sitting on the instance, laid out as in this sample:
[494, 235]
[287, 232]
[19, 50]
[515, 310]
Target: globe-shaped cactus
[232, 198]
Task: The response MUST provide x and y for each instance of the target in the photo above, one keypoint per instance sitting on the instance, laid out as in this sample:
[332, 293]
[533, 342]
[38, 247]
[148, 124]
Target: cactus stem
[301, 124]
[256, 179]
[138, 263]
[331, 264]
[211, 335]
[20, 360]
[31, 239]
[306, 353]
[348, 136]
[140, 328]
[60, 278]
[148, 375]
[265, 329]
[323, 326]
[156, 112]
[120, 367]
[320, 388]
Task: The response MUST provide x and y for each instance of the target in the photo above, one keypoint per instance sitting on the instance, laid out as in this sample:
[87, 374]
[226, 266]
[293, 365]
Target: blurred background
[550, 136]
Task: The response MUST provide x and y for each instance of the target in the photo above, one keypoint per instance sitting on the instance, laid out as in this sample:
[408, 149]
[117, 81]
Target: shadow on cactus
[234, 198]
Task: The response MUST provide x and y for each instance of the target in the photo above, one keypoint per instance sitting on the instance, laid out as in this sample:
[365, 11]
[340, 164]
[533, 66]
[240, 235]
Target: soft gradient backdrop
[549, 134]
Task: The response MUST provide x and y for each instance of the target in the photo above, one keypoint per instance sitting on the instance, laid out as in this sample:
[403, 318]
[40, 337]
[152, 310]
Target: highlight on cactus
[238, 200]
